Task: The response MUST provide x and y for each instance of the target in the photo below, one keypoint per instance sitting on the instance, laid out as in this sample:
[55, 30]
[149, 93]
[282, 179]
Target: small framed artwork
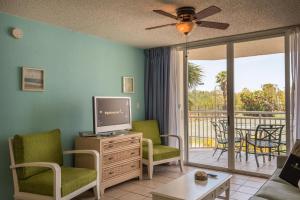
[33, 79]
[128, 84]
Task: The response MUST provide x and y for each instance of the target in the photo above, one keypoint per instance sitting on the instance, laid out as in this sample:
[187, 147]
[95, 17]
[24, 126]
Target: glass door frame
[229, 42]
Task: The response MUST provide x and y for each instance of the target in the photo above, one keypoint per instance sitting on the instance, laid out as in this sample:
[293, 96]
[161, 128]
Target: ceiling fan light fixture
[185, 27]
[186, 18]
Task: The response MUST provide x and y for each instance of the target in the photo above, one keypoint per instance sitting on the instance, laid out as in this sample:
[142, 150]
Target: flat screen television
[111, 114]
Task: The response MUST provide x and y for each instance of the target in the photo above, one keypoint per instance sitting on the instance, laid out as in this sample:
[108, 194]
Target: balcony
[202, 139]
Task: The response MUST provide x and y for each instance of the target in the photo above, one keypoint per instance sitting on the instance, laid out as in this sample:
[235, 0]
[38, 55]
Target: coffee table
[186, 188]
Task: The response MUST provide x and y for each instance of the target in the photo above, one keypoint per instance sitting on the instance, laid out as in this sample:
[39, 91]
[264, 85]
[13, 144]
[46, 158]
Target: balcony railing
[201, 130]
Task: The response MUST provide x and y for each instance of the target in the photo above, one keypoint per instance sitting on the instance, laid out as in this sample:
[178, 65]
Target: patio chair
[238, 138]
[282, 147]
[221, 135]
[266, 137]
[38, 171]
[221, 139]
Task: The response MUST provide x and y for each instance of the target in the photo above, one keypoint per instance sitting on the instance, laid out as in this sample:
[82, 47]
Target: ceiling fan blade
[216, 25]
[160, 26]
[207, 12]
[161, 12]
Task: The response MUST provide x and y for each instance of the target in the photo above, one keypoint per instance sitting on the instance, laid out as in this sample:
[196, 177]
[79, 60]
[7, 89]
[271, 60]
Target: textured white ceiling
[125, 20]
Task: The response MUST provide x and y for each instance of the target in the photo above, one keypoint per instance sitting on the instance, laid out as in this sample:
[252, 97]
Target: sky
[250, 72]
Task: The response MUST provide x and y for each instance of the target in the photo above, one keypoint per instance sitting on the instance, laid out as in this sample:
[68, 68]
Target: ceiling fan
[187, 18]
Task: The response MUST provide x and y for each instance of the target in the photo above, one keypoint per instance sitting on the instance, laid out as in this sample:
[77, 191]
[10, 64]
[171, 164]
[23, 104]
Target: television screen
[111, 113]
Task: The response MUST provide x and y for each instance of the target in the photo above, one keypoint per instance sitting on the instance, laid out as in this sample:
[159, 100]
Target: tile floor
[242, 187]
[204, 156]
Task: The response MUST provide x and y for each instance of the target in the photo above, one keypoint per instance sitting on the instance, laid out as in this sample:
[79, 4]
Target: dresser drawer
[130, 166]
[119, 156]
[114, 144]
[120, 170]
[111, 172]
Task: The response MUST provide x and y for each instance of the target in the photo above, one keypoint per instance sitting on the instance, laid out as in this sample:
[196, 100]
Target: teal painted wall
[77, 66]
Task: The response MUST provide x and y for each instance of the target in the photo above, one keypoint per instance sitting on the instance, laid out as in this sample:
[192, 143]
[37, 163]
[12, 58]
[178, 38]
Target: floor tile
[150, 183]
[162, 179]
[240, 196]
[247, 190]
[234, 187]
[132, 196]
[115, 192]
[137, 189]
[253, 184]
[237, 181]
[204, 156]
[256, 179]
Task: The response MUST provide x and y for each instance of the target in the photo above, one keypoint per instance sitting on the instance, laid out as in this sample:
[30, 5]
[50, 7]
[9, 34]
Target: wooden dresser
[120, 157]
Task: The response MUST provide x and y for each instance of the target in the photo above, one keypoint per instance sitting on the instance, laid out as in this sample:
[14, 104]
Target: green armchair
[38, 171]
[154, 153]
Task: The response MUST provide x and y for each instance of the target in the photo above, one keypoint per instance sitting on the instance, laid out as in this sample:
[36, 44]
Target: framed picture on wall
[33, 79]
[128, 84]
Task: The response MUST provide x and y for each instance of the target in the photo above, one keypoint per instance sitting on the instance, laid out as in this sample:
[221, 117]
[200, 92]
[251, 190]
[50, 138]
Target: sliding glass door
[259, 91]
[207, 106]
[235, 110]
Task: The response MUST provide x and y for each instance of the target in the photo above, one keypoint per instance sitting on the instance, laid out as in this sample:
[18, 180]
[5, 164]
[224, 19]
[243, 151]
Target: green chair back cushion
[71, 180]
[149, 128]
[161, 152]
[37, 147]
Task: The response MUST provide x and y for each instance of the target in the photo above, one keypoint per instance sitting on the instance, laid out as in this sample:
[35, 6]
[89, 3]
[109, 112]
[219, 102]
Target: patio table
[246, 131]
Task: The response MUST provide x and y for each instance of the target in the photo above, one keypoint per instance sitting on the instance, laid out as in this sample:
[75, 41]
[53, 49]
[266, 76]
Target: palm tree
[221, 79]
[195, 74]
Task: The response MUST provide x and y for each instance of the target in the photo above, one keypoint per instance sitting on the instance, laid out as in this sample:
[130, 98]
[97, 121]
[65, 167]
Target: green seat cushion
[71, 180]
[149, 128]
[37, 147]
[161, 152]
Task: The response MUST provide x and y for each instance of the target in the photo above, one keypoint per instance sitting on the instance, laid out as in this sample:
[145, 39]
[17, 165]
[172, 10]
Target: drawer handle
[111, 173]
[132, 141]
[110, 142]
[110, 158]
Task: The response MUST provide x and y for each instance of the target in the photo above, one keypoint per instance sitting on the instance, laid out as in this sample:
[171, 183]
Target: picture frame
[128, 84]
[33, 79]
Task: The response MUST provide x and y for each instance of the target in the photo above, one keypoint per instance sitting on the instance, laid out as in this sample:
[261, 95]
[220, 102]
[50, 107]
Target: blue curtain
[157, 75]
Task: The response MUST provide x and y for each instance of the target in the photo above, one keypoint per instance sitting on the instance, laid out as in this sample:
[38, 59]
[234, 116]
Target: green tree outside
[268, 98]
[195, 74]
[221, 80]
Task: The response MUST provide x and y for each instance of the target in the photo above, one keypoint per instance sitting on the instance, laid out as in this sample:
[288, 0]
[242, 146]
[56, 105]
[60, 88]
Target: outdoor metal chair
[266, 137]
[221, 135]
[238, 138]
[282, 147]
